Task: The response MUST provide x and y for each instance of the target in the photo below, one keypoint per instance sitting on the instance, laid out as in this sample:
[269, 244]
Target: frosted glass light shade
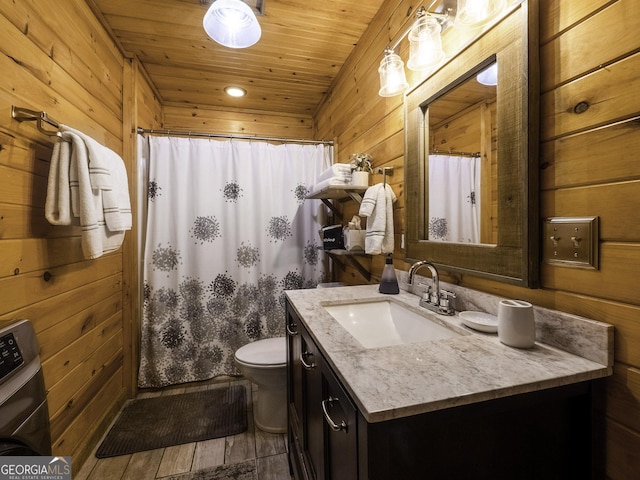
[393, 81]
[425, 51]
[475, 13]
[232, 23]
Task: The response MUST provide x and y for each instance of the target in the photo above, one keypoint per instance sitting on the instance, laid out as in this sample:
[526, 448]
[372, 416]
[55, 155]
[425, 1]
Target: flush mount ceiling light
[489, 76]
[232, 23]
[235, 91]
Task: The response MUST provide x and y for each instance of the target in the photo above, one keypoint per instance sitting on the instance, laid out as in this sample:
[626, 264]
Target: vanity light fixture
[476, 13]
[235, 91]
[425, 44]
[232, 23]
[393, 81]
[426, 52]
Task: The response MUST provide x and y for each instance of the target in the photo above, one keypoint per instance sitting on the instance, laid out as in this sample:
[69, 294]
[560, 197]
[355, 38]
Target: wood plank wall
[208, 119]
[87, 314]
[589, 53]
[77, 313]
[78, 307]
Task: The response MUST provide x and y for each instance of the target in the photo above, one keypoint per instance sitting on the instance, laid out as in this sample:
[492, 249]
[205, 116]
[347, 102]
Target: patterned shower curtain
[228, 231]
[454, 188]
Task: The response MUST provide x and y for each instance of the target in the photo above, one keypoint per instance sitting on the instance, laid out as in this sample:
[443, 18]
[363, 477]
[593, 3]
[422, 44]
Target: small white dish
[481, 321]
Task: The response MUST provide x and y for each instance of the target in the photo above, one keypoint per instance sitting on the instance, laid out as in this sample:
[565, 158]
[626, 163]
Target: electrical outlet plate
[571, 241]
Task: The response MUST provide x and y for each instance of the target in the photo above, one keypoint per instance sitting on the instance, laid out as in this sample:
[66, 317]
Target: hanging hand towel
[57, 206]
[377, 204]
[97, 239]
[108, 174]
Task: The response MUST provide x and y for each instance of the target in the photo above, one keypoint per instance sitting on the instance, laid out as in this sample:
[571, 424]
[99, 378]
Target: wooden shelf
[348, 256]
[338, 192]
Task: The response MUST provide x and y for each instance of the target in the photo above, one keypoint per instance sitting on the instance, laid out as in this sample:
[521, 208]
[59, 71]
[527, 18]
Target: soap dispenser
[388, 281]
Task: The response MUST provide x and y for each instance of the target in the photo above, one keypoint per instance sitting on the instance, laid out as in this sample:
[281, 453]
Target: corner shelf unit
[342, 192]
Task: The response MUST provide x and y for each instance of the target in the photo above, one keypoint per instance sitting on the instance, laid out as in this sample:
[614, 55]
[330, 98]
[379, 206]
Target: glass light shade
[232, 23]
[475, 13]
[392, 78]
[425, 51]
[489, 76]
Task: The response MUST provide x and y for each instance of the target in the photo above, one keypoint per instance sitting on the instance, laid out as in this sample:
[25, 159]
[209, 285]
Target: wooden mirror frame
[513, 41]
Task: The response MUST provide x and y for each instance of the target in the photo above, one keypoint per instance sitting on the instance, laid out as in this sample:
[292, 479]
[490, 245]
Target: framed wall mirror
[471, 156]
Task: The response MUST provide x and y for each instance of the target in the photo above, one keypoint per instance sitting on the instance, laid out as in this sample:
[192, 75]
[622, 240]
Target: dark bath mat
[159, 422]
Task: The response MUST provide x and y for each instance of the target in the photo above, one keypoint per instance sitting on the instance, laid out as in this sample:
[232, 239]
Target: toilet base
[270, 410]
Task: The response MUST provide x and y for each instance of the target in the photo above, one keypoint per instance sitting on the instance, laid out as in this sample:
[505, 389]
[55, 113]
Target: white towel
[83, 190]
[108, 174]
[97, 239]
[338, 170]
[57, 206]
[377, 204]
[331, 182]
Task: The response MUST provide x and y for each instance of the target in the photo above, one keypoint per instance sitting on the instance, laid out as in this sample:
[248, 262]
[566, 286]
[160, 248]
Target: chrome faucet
[433, 299]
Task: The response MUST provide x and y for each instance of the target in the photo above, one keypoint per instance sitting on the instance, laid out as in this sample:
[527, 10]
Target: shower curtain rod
[454, 154]
[141, 131]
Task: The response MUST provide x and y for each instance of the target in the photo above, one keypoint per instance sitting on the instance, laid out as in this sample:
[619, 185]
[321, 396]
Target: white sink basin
[384, 323]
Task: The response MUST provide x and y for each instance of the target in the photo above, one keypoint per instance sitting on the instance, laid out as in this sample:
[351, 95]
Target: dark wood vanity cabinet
[322, 419]
[548, 434]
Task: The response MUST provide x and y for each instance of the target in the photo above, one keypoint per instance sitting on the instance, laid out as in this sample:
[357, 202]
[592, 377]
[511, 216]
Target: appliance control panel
[10, 356]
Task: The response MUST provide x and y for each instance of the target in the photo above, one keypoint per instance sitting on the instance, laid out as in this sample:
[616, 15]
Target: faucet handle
[446, 302]
[429, 294]
[447, 294]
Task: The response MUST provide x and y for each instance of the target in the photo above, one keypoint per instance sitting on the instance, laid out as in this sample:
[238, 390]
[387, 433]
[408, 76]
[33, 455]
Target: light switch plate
[571, 241]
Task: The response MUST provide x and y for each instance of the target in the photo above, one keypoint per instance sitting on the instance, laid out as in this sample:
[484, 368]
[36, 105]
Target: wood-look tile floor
[267, 450]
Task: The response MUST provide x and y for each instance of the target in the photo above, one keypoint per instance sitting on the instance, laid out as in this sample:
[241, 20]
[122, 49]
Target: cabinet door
[294, 373]
[341, 429]
[311, 359]
[296, 399]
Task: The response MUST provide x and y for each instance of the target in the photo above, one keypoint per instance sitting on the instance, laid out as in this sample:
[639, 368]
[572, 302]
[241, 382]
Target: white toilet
[265, 363]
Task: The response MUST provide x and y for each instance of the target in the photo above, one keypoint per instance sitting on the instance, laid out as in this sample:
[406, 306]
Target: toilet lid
[270, 351]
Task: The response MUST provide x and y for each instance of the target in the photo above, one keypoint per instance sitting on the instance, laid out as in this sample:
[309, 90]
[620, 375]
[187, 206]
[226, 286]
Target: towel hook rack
[384, 171]
[26, 115]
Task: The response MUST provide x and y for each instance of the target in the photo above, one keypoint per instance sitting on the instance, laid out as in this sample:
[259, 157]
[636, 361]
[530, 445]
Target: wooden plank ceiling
[303, 46]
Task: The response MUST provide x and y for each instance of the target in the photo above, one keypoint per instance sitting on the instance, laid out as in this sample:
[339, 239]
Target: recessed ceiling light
[235, 91]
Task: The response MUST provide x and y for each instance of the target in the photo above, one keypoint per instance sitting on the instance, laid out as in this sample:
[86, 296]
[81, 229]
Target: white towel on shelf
[377, 205]
[108, 174]
[331, 182]
[336, 171]
[57, 206]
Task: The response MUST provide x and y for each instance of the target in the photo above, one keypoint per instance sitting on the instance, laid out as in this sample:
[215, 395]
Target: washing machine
[24, 416]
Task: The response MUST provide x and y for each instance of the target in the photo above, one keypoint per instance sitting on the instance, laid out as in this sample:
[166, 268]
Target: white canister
[360, 179]
[516, 324]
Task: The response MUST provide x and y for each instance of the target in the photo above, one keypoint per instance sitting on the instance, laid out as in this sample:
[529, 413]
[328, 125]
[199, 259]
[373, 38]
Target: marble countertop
[403, 380]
